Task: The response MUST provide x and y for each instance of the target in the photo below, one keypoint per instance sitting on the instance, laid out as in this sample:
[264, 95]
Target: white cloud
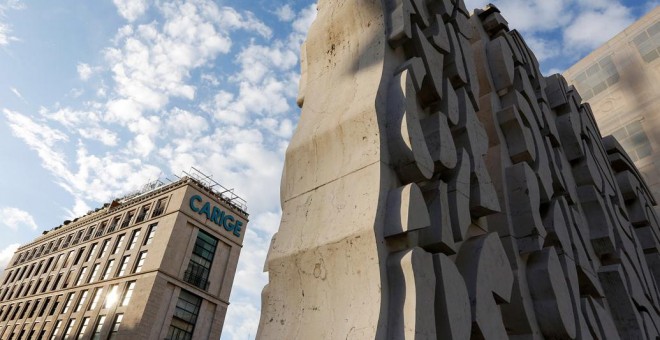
[248, 314]
[595, 26]
[40, 138]
[17, 94]
[131, 9]
[285, 13]
[6, 255]
[543, 49]
[151, 63]
[71, 118]
[304, 20]
[85, 71]
[15, 219]
[184, 123]
[98, 178]
[80, 208]
[104, 136]
[5, 34]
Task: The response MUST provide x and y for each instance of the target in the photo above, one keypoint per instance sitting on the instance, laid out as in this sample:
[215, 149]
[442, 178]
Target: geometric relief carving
[464, 195]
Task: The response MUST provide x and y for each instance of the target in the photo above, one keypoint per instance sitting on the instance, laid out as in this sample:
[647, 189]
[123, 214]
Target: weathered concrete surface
[439, 186]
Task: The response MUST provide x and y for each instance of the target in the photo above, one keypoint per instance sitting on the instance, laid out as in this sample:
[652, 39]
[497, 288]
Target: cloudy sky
[98, 98]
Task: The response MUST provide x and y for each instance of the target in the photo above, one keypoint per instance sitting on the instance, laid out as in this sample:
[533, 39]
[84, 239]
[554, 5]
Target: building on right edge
[621, 81]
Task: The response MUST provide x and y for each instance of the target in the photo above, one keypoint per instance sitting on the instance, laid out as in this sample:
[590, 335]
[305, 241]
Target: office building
[621, 81]
[153, 265]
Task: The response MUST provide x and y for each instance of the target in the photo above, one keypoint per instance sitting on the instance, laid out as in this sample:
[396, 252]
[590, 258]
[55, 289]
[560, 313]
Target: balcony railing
[196, 279]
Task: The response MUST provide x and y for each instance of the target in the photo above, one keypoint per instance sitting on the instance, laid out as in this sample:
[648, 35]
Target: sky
[98, 98]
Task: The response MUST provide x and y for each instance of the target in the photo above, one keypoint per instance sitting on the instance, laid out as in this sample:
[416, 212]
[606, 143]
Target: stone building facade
[158, 265]
[438, 186]
[621, 81]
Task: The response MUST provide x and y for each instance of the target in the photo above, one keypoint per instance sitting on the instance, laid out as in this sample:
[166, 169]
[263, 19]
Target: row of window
[94, 231]
[82, 277]
[181, 328]
[75, 256]
[597, 78]
[37, 308]
[19, 333]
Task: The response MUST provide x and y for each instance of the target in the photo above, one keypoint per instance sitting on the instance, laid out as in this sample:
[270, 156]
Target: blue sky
[97, 98]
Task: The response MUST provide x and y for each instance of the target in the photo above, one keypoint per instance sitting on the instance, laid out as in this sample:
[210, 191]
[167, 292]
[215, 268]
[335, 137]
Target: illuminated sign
[215, 214]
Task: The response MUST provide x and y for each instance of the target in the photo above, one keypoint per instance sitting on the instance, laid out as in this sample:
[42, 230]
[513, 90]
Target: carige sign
[215, 214]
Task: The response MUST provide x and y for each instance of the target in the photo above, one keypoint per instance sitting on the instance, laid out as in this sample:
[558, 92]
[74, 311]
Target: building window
[104, 249]
[115, 326]
[79, 256]
[18, 308]
[127, 219]
[36, 272]
[78, 237]
[69, 258]
[69, 328]
[185, 316]
[98, 328]
[42, 311]
[56, 331]
[55, 305]
[57, 281]
[69, 300]
[95, 271]
[134, 238]
[118, 244]
[648, 43]
[47, 266]
[151, 233]
[83, 297]
[597, 78]
[34, 309]
[25, 309]
[92, 250]
[90, 233]
[81, 276]
[140, 262]
[83, 328]
[108, 270]
[201, 260]
[101, 228]
[113, 224]
[68, 279]
[634, 140]
[36, 287]
[143, 214]
[160, 207]
[96, 298]
[112, 296]
[128, 294]
[59, 260]
[123, 265]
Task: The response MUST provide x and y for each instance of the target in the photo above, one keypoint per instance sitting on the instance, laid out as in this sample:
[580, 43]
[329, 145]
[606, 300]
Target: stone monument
[438, 186]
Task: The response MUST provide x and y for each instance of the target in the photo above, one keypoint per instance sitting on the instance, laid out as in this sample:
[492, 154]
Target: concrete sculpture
[438, 186]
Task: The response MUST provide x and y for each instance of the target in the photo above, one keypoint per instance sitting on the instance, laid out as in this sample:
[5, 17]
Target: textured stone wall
[439, 186]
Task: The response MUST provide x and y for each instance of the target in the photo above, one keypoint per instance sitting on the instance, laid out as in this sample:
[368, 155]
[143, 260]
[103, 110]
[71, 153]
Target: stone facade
[438, 186]
[63, 282]
[621, 81]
